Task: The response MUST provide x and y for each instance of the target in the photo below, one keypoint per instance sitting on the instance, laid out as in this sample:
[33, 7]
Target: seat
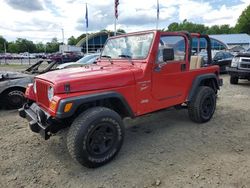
[195, 62]
[199, 62]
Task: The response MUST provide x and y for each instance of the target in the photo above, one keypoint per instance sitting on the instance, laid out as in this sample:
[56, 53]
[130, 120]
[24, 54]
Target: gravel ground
[163, 149]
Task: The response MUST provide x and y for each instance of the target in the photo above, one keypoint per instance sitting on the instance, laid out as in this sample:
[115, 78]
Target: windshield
[134, 47]
[86, 58]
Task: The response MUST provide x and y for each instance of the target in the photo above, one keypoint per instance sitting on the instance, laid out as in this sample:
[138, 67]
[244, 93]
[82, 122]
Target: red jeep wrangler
[137, 73]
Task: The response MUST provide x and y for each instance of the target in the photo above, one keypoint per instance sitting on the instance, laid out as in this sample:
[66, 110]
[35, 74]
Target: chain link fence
[27, 61]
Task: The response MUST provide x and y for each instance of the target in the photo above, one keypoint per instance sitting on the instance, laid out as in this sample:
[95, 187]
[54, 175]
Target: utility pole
[5, 48]
[158, 14]
[63, 36]
[87, 25]
[5, 53]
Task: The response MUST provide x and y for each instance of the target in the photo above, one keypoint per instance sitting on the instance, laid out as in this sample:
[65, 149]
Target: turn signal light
[68, 106]
[52, 105]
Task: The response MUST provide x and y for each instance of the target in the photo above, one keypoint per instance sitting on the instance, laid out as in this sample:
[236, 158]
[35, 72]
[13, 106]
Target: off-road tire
[85, 138]
[13, 99]
[201, 108]
[234, 80]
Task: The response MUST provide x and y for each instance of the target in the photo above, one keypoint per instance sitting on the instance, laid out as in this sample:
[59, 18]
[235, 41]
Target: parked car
[12, 88]
[65, 57]
[13, 84]
[27, 55]
[240, 68]
[223, 59]
[87, 59]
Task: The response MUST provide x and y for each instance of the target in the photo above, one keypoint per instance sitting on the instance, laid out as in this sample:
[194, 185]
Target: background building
[234, 40]
[96, 41]
[69, 48]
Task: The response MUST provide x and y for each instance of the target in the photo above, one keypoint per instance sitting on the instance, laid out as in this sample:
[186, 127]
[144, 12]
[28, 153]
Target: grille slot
[42, 97]
[246, 60]
[245, 66]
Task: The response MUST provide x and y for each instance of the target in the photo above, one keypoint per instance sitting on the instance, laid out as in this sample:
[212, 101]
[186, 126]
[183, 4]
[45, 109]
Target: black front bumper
[238, 72]
[39, 120]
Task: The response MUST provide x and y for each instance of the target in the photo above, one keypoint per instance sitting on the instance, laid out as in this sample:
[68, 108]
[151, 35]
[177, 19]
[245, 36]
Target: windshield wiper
[109, 58]
[128, 57]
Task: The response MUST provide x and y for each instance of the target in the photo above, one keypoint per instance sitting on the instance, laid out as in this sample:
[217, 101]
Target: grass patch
[13, 67]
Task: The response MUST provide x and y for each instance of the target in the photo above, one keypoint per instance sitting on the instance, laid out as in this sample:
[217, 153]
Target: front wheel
[201, 108]
[14, 99]
[95, 137]
[234, 80]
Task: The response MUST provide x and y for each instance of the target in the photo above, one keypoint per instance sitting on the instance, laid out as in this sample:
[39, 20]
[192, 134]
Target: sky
[41, 20]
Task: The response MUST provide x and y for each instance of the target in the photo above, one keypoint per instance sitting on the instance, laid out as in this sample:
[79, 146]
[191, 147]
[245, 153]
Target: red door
[168, 78]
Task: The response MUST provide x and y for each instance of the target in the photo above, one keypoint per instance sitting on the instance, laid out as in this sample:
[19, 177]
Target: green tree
[24, 45]
[215, 29]
[3, 42]
[40, 47]
[121, 31]
[12, 47]
[52, 46]
[243, 23]
[72, 40]
[222, 29]
[173, 26]
[105, 30]
[187, 26]
[200, 28]
[80, 37]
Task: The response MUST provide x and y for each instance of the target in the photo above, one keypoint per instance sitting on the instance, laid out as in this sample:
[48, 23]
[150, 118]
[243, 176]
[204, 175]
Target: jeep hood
[93, 77]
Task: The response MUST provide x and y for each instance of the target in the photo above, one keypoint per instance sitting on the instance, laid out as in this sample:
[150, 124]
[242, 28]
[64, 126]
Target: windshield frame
[130, 35]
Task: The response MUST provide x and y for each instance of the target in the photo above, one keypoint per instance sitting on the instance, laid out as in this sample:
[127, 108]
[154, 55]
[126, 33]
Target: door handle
[157, 69]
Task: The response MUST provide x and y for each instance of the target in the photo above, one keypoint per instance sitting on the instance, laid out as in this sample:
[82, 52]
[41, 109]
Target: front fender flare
[80, 100]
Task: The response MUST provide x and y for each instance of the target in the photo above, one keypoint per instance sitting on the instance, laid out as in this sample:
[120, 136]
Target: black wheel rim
[101, 139]
[16, 98]
[208, 107]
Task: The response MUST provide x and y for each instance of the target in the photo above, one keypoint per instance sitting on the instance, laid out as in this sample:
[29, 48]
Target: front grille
[246, 60]
[42, 96]
[245, 65]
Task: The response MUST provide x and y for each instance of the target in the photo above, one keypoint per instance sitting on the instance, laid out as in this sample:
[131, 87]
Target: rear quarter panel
[188, 79]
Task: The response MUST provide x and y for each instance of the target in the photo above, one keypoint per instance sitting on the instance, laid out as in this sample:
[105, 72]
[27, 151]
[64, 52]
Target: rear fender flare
[199, 79]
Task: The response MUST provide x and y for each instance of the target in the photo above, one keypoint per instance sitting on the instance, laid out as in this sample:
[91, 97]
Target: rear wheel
[234, 80]
[95, 137]
[14, 99]
[201, 108]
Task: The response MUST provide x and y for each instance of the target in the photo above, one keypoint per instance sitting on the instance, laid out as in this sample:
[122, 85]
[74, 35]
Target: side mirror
[168, 54]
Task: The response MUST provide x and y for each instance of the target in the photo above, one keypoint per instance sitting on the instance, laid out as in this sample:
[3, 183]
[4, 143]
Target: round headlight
[34, 86]
[50, 93]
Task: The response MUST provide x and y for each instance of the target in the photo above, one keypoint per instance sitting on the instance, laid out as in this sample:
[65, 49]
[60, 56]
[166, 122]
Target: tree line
[242, 26]
[24, 45]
